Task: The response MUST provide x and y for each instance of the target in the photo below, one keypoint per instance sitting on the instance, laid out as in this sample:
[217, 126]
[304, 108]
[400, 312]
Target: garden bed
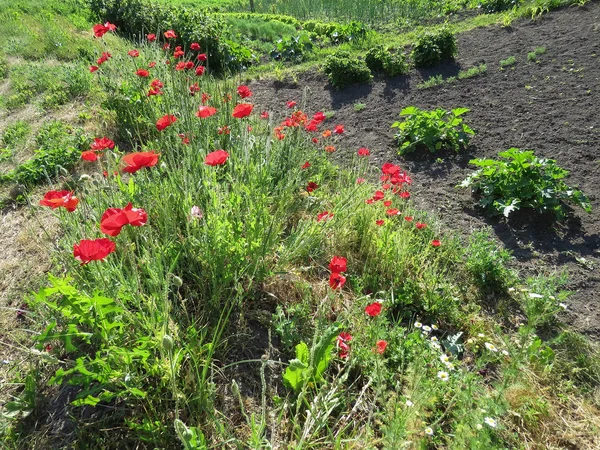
[550, 106]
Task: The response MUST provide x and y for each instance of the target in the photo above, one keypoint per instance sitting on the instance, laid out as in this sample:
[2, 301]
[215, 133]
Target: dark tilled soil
[552, 106]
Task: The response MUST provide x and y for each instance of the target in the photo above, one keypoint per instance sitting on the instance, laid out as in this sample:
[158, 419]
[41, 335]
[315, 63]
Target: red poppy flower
[325, 215]
[342, 342]
[315, 140]
[380, 223]
[306, 165]
[89, 155]
[392, 212]
[420, 225]
[337, 280]
[194, 88]
[178, 53]
[319, 117]
[381, 346]
[184, 139]
[136, 161]
[170, 34]
[156, 83]
[390, 169]
[114, 219]
[387, 203]
[102, 144]
[216, 158]
[311, 186]
[326, 133]
[409, 218]
[329, 148]
[165, 121]
[223, 130]
[242, 110]
[151, 64]
[57, 199]
[151, 37]
[100, 30]
[264, 115]
[93, 250]
[435, 243]
[205, 98]
[202, 57]
[142, 73]
[154, 91]
[338, 264]
[244, 91]
[166, 46]
[360, 180]
[339, 129]
[133, 53]
[194, 46]
[363, 151]
[205, 111]
[291, 104]
[180, 65]
[93, 68]
[103, 58]
[379, 195]
[374, 309]
[369, 201]
[405, 195]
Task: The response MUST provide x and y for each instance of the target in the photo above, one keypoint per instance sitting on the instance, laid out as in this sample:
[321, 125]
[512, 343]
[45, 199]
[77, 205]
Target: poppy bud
[167, 342]
[177, 282]
[185, 434]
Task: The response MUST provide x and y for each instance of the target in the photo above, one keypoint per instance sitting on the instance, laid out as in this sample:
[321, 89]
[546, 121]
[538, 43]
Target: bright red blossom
[338, 264]
[435, 243]
[244, 91]
[216, 158]
[329, 148]
[200, 70]
[114, 219]
[311, 186]
[100, 30]
[136, 161]
[306, 165]
[133, 53]
[337, 280]
[194, 46]
[89, 155]
[342, 342]
[165, 121]
[392, 212]
[379, 223]
[142, 73]
[151, 37]
[102, 144]
[170, 34]
[291, 104]
[339, 129]
[93, 68]
[363, 151]
[325, 215]
[57, 199]
[381, 346]
[420, 225]
[374, 309]
[93, 250]
[205, 111]
[242, 110]
[202, 57]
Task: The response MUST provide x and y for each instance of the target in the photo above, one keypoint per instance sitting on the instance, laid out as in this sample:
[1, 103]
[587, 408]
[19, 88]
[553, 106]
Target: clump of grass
[432, 81]
[359, 106]
[472, 72]
[510, 61]
[533, 56]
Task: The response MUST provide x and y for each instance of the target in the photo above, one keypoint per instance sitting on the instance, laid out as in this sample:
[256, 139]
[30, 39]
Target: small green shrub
[522, 180]
[380, 59]
[533, 56]
[432, 48]
[494, 6]
[343, 69]
[472, 72]
[434, 130]
[432, 81]
[15, 133]
[292, 48]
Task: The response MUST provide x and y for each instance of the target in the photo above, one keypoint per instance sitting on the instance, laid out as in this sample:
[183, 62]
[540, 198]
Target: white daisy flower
[479, 426]
[436, 345]
[480, 335]
[434, 326]
[418, 324]
[534, 295]
[444, 358]
[562, 305]
[443, 375]
[505, 353]
[409, 403]
[449, 366]
[426, 328]
[470, 341]
[491, 347]
[434, 339]
[490, 422]
[429, 431]
[512, 289]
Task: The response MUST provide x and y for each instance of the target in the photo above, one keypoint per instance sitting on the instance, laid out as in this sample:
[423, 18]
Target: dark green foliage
[292, 48]
[494, 6]
[432, 48]
[434, 130]
[351, 32]
[522, 180]
[136, 18]
[380, 59]
[344, 69]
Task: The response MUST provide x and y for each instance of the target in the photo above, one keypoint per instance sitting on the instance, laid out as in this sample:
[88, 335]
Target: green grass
[510, 61]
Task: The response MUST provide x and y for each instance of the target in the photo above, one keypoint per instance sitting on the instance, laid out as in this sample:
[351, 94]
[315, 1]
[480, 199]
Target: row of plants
[226, 223]
[431, 48]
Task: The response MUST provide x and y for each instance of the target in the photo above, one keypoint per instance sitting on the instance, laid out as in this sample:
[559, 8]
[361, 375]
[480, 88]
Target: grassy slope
[259, 241]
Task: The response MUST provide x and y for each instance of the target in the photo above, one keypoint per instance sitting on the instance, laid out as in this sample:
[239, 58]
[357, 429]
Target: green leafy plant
[472, 72]
[353, 31]
[310, 364]
[432, 48]
[533, 56]
[344, 69]
[510, 61]
[380, 59]
[293, 48]
[434, 130]
[494, 6]
[522, 180]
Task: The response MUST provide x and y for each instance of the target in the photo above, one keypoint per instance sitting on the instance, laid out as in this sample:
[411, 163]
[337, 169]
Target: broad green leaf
[295, 375]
